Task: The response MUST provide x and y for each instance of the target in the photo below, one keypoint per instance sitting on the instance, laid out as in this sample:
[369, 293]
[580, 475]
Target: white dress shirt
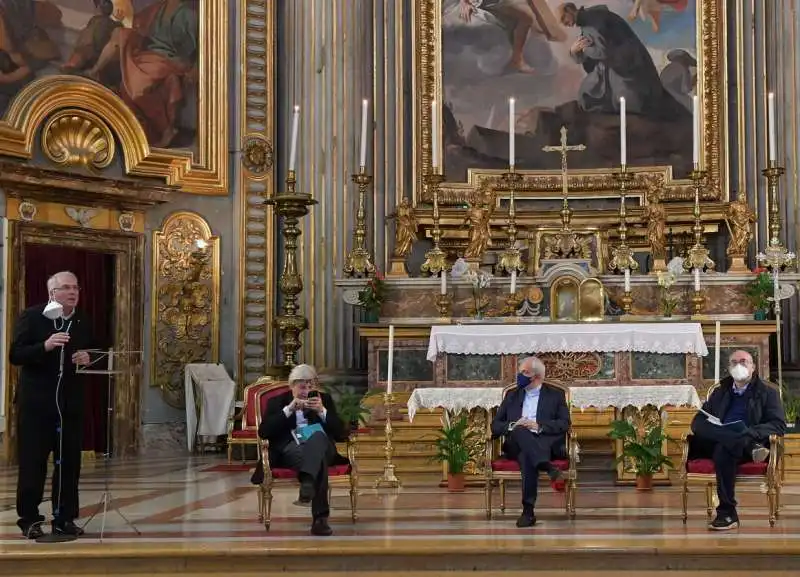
[531, 404]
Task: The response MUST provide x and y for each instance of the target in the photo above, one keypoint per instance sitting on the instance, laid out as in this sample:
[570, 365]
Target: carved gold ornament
[257, 154]
[572, 366]
[27, 210]
[126, 221]
[78, 138]
[185, 301]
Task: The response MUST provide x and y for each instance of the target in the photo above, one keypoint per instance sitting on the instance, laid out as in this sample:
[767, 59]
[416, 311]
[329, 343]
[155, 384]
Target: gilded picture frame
[711, 76]
[201, 169]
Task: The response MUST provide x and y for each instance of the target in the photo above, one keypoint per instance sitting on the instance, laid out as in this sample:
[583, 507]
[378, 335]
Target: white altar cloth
[454, 399]
[217, 395]
[638, 396]
[667, 337]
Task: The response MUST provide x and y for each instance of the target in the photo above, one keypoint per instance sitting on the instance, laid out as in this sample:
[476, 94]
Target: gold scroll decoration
[185, 301]
[74, 137]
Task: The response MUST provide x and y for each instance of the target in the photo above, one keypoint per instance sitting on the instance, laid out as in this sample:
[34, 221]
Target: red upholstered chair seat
[335, 471]
[706, 467]
[240, 434]
[511, 466]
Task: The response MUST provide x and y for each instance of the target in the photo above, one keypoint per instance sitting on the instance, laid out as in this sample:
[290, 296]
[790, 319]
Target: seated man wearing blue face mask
[534, 420]
[734, 426]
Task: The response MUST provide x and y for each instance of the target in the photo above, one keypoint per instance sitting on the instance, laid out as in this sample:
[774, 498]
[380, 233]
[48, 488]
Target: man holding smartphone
[302, 426]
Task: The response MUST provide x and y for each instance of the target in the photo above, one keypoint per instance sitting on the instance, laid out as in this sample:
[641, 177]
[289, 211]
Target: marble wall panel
[474, 368]
[654, 366]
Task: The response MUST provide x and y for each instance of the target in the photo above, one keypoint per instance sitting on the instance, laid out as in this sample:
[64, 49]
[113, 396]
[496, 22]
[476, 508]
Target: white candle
[696, 280]
[773, 143]
[512, 120]
[434, 138]
[390, 365]
[695, 130]
[623, 150]
[364, 108]
[513, 281]
[443, 288]
[716, 352]
[627, 280]
[293, 149]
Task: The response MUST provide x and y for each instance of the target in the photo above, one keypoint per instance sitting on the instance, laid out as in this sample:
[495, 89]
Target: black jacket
[38, 377]
[765, 414]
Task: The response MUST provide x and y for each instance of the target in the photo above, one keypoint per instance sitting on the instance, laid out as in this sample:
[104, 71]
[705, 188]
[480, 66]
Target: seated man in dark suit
[744, 397]
[285, 420]
[534, 420]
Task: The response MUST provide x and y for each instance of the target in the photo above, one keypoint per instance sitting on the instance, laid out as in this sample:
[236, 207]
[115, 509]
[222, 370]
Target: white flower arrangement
[479, 280]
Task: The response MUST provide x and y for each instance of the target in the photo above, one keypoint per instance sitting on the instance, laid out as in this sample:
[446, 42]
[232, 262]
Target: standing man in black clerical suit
[534, 419]
[302, 426]
[49, 343]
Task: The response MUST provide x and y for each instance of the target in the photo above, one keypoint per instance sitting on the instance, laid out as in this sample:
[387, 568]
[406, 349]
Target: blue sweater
[737, 410]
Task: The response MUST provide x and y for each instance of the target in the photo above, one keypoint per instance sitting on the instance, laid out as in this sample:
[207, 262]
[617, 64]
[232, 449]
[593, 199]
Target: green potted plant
[455, 446]
[642, 448]
[350, 405]
[371, 297]
[759, 292]
[791, 406]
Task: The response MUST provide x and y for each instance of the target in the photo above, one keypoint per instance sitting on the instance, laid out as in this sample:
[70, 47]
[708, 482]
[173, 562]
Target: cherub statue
[479, 216]
[405, 234]
[740, 219]
[655, 215]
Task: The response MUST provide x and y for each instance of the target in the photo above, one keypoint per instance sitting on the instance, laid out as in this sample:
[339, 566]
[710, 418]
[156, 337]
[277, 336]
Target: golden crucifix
[563, 148]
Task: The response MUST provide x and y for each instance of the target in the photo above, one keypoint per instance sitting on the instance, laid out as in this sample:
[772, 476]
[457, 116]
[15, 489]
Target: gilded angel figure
[405, 234]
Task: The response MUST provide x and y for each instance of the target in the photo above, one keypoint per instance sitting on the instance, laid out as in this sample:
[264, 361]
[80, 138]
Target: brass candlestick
[388, 478]
[290, 205]
[359, 261]
[627, 302]
[698, 257]
[435, 259]
[512, 302]
[511, 259]
[443, 304]
[622, 259]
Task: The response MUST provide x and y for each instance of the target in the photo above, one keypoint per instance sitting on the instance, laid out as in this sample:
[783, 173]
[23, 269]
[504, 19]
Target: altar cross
[563, 148]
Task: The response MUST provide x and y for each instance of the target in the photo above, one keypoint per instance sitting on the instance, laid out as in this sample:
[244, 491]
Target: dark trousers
[532, 452]
[728, 450]
[37, 437]
[311, 461]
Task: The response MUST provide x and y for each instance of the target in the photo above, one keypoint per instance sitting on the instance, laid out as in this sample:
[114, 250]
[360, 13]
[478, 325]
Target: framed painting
[567, 64]
[156, 68]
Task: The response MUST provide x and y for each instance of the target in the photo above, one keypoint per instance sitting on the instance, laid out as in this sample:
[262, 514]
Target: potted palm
[791, 407]
[760, 292]
[642, 449]
[350, 406]
[455, 446]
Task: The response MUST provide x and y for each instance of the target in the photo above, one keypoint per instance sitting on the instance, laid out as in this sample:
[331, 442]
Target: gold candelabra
[388, 478]
[776, 257]
[290, 205]
[359, 261]
[622, 259]
[511, 258]
[435, 259]
[697, 258]
[443, 304]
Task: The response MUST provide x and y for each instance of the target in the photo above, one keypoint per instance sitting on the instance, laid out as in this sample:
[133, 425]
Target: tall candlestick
[696, 280]
[623, 148]
[364, 108]
[627, 280]
[110, 360]
[443, 287]
[773, 142]
[434, 137]
[513, 281]
[695, 130]
[512, 120]
[293, 149]
[716, 351]
[390, 365]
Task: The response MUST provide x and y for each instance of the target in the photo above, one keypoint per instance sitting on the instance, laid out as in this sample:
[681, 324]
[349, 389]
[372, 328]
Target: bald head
[741, 367]
[63, 288]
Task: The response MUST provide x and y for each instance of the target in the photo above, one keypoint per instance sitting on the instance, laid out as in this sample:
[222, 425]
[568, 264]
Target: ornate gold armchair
[247, 434]
[345, 476]
[499, 469]
[702, 472]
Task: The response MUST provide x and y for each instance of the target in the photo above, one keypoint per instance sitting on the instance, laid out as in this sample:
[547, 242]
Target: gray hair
[303, 373]
[537, 366]
[53, 280]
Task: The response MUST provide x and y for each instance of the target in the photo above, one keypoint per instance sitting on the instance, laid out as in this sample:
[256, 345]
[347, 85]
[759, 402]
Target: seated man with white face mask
[744, 413]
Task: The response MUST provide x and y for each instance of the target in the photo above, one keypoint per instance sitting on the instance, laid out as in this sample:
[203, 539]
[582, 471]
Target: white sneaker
[760, 454]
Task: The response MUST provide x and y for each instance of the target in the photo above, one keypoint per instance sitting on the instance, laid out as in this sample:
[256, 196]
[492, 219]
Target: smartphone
[313, 394]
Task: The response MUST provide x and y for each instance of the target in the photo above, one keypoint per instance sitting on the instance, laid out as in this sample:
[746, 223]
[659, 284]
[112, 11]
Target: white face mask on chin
[53, 310]
[740, 373]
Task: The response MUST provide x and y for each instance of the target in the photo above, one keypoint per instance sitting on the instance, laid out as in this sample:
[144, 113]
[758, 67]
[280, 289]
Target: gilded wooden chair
[247, 433]
[702, 472]
[500, 469]
[344, 476]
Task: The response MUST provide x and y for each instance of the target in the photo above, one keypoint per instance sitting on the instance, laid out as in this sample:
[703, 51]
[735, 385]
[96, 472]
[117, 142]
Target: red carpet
[232, 468]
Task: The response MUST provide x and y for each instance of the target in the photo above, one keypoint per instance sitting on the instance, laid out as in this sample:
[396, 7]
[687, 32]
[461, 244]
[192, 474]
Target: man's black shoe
[320, 527]
[67, 528]
[306, 492]
[724, 523]
[31, 530]
[526, 520]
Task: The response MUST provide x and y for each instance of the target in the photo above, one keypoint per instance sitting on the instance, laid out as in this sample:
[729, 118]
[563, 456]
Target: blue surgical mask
[523, 380]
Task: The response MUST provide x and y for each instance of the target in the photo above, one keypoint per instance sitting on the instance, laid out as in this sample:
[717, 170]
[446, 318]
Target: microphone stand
[107, 499]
